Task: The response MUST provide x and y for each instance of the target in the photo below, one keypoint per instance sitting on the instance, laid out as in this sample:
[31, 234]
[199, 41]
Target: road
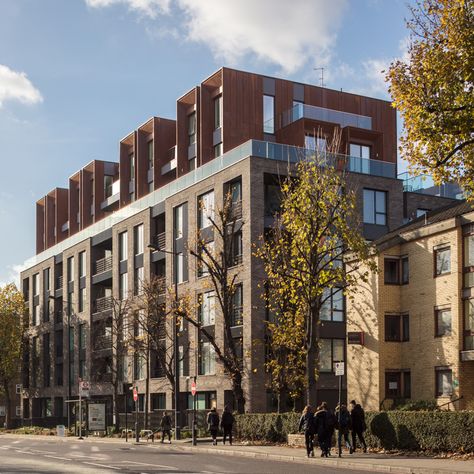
[30, 455]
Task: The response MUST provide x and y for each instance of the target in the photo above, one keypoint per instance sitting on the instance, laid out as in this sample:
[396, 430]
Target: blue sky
[77, 75]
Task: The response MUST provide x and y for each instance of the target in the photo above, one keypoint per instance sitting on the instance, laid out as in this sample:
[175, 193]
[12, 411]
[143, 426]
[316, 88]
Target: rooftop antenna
[322, 74]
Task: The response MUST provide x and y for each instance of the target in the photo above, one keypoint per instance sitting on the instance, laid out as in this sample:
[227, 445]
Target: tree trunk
[312, 356]
[238, 391]
[8, 417]
[116, 410]
[147, 389]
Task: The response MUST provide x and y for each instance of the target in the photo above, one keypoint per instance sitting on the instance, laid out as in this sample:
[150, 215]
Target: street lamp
[154, 247]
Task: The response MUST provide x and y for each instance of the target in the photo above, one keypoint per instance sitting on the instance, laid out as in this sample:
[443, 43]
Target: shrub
[418, 405]
[432, 431]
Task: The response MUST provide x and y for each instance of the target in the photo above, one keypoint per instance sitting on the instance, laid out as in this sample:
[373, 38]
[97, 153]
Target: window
[82, 368]
[332, 308]
[58, 342]
[268, 114]
[123, 286]
[218, 112]
[46, 282]
[206, 308]
[397, 327]
[331, 351]
[218, 150]
[391, 271]
[375, 207]
[405, 270]
[82, 299]
[207, 359]
[108, 186]
[443, 322]
[359, 151]
[206, 251]
[158, 401]
[237, 248]
[46, 361]
[178, 221]
[192, 128]
[150, 154]
[469, 251]
[58, 374]
[36, 284]
[138, 239]
[442, 260]
[82, 264]
[205, 210]
[82, 337]
[123, 246]
[314, 143]
[204, 401]
[131, 159]
[181, 360]
[444, 382]
[139, 366]
[421, 212]
[469, 325]
[70, 269]
[138, 280]
[35, 320]
[179, 267]
[235, 191]
[237, 306]
[393, 385]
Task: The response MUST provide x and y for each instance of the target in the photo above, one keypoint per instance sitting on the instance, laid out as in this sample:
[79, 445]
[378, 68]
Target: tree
[12, 318]
[303, 257]
[216, 261]
[434, 91]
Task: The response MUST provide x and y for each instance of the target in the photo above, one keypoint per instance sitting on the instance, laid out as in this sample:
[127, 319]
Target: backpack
[330, 421]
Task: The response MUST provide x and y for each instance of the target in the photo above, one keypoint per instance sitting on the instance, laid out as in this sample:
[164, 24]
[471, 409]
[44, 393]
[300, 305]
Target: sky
[76, 76]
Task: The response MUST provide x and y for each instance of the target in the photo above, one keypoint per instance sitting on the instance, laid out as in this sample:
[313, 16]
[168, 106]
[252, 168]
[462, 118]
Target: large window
[178, 221]
[469, 325]
[138, 280]
[359, 151]
[158, 401]
[397, 327]
[82, 299]
[398, 384]
[207, 314]
[442, 258]
[444, 381]
[237, 248]
[205, 209]
[218, 112]
[82, 264]
[207, 359]
[391, 271]
[108, 185]
[443, 322]
[332, 308]
[70, 269]
[123, 286]
[131, 158]
[123, 246]
[204, 401]
[375, 207]
[268, 114]
[237, 306]
[150, 154]
[331, 351]
[179, 267]
[138, 239]
[192, 128]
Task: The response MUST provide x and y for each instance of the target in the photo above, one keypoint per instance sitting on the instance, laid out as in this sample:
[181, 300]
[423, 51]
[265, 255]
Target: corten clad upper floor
[225, 111]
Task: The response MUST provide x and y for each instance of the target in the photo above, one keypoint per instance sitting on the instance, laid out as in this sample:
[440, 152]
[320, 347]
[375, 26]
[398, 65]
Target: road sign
[339, 368]
[135, 394]
[84, 388]
[193, 388]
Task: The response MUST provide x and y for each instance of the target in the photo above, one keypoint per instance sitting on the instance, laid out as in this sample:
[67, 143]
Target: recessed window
[331, 351]
[150, 154]
[207, 359]
[443, 322]
[375, 207]
[206, 310]
[138, 280]
[268, 114]
[397, 384]
[206, 210]
[237, 306]
[444, 382]
[397, 327]
[70, 269]
[123, 286]
[332, 308]
[192, 128]
[391, 271]
[138, 239]
[442, 258]
[178, 221]
[179, 267]
[82, 264]
[131, 159]
[469, 325]
[82, 299]
[218, 112]
[359, 151]
[123, 246]
[108, 185]
[405, 270]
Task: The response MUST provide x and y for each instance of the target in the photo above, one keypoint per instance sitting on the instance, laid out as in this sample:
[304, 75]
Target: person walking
[165, 426]
[358, 425]
[213, 424]
[343, 427]
[331, 422]
[307, 425]
[320, 428]
[227, 422]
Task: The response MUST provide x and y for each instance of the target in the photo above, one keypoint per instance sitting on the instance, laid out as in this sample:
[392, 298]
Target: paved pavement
[20, 453]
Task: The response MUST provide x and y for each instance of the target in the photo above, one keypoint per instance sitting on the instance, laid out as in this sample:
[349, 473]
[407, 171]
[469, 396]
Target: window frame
[375, 192]
[439, 371]
[437, 312]
[266, 102]
[333, 360]
[436, 252]
[395, 260]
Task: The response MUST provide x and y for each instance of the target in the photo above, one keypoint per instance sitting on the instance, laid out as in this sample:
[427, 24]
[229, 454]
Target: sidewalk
[373, 462]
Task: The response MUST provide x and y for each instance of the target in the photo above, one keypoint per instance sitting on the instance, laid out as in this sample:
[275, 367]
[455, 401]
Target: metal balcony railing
[237, 259]
[237, 316]
[103, 342]
[102, 265]
[236, 210]
[103, 304]
[59, 282]
[161, 285]
[159, 240]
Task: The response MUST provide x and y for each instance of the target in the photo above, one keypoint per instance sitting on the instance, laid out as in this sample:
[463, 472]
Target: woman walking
[307, 425]
[321, 429]
[213, 424]
[358, 425]
[227, 422]
[343, 427]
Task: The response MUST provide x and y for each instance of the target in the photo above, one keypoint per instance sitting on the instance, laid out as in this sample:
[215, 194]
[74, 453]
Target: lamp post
[175, 338]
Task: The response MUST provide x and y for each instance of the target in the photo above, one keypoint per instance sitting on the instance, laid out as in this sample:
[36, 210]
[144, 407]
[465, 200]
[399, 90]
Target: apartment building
[235, 131]
[411, 327]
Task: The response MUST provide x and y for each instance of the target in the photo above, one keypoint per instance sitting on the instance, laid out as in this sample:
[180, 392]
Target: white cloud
[288, 34]
[150, 8]
[12, 274]
[375, 76]
[16, 86]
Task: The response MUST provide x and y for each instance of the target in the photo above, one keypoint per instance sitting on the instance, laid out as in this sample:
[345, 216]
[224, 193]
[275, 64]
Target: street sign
[193, 388]
[84, 388]
[135, 394]
[355, 337]
[97, 417]
[339, 368]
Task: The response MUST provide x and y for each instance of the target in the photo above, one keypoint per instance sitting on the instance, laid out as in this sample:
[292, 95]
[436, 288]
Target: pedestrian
[343, 426]
[320, 428]
[165, 426]
[358, 425]
[307, 425]
[331, 422]
[227, 422]
[213, 424]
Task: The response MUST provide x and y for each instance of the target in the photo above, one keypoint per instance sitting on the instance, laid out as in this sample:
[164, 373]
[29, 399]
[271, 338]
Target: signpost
[135, 399]
[193, 393]
[97, 417]
[84, 391]
[339, 372]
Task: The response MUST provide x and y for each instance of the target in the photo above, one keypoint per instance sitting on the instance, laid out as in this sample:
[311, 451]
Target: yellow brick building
[411, 327]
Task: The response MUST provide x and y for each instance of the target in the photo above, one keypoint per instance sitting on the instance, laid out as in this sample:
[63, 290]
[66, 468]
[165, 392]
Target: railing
[58, 316]
[103, 304]
[237, 316]
[236, 210]
[237, 259]
[424, 184]
[102, 265]
[102, 343]
[161, 285]
[159, 241]
[59, 282]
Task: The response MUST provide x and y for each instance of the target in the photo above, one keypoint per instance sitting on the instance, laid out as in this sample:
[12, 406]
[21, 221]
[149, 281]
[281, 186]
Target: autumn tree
[433, 88]
[12, 317]
[303, 256]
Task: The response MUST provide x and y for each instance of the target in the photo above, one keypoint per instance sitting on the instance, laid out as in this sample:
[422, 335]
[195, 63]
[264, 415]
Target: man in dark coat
[307, 425]
[213, 424]
[358, 425]
[322, 429]
[343, 426]
[165, 426]
[227, 422]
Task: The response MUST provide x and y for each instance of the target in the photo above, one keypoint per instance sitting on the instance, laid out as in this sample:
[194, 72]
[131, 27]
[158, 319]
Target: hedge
[439, 431]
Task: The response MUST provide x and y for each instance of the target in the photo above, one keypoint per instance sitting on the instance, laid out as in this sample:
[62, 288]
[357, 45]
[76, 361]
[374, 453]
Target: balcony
[236, 210]
[102, 265]
[424, 184]
[158, 241]
[59, 282]
[112, 195]
[237, 259]
[102, 342]
[237, 316]
[170, 166]
[103, 304]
